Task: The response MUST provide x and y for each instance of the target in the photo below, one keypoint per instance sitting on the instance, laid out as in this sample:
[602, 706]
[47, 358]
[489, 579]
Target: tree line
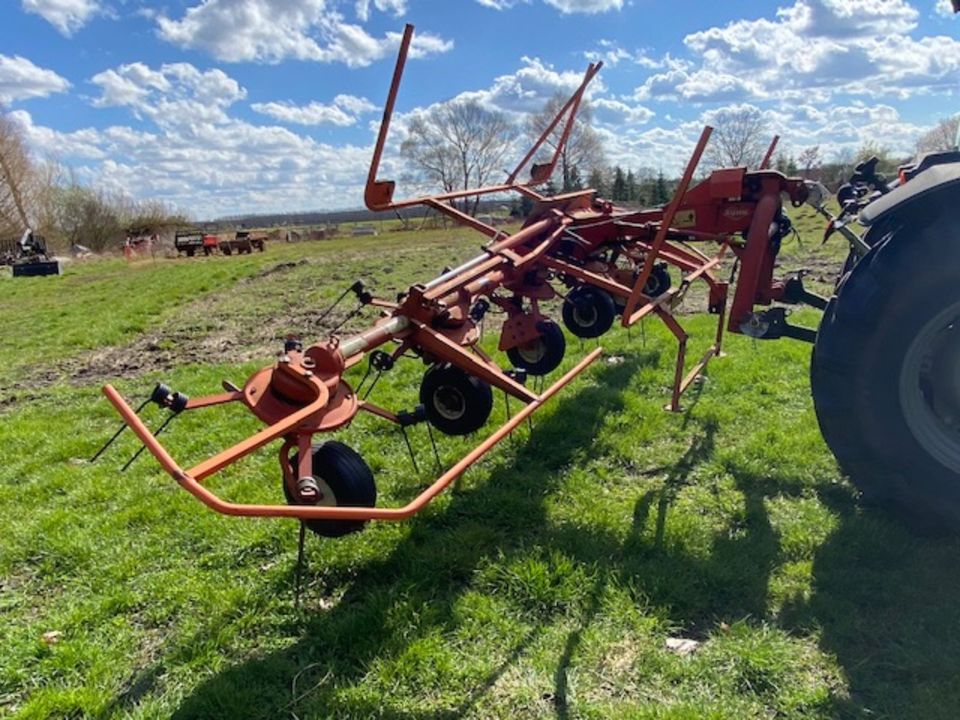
[452, 146]
[46, 197]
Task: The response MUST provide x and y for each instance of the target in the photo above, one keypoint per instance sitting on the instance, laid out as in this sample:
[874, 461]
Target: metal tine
[335, 303]
[159, 430]
[436, 454]
[118, 432]
[347, 319]
[506, 402]
[413, 458]
[373, 384]
[300, 562]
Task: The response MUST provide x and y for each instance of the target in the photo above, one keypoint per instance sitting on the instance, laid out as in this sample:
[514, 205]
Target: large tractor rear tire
[885, 376]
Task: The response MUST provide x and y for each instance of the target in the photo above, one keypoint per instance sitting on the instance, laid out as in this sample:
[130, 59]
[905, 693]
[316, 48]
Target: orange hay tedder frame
[604, 262]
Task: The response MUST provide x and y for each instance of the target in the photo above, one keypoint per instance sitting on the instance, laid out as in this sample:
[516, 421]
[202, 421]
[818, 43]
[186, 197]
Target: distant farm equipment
[243, 242]
[192, 242]
[28, 257]
[884, 357]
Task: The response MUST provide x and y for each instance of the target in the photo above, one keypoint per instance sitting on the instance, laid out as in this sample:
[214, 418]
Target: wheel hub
[930, 387]
[585, 314]
[532, 352]
[449, 402]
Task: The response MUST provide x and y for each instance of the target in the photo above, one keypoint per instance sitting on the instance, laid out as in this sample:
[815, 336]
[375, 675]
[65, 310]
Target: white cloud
[529, 88]
[500, 4]
[609, 52]
[211, 170]
[823, 47]
[343, 112]
[176, 94]
[566, 7]
[266, 31]
[585, 6]
[84, 144]
[615, 112]
[20, 79]
[67, 16]
[398, 7]
[945, 8]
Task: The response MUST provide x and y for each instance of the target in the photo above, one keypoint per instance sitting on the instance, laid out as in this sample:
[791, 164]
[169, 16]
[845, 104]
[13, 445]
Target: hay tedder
[886, 360]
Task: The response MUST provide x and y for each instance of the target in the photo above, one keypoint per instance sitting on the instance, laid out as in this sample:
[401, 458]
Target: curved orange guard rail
[306, 512]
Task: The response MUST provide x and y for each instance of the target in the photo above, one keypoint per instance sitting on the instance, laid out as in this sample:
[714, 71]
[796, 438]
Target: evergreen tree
[597, 182]
[632, 190]
[661, 194]
[619, 190]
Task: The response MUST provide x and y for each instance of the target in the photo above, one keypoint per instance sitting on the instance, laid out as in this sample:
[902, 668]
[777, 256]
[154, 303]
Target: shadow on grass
[887, 606]
[884, 604]
[426, 573]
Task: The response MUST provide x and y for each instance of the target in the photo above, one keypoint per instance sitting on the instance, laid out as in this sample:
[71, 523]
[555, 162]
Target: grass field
[545, 584]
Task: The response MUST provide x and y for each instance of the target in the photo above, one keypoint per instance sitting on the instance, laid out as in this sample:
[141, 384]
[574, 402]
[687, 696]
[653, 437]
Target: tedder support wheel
[456, 403]
[588, 312]
[542, 355]
[885, 376]
[658, 282]
[344, 480]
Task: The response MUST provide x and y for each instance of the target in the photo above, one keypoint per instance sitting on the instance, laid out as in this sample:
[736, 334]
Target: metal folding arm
[378, 194]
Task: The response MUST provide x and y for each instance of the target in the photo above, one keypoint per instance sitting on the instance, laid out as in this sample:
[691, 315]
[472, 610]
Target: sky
[225, 107]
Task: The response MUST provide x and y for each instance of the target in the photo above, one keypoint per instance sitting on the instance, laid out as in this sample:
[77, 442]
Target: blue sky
[233, 106]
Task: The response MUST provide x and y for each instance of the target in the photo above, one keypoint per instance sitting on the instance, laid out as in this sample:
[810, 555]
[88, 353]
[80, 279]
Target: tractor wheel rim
[930, 387]
[449, 402]
[532, 352]
[585, 314]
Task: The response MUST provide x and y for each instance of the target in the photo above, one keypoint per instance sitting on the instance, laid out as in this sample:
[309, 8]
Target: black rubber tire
[658, 282]
[456, 403]
[867, 333]
[190, 252]
[349, 478]
[588, 312]
[543, 355]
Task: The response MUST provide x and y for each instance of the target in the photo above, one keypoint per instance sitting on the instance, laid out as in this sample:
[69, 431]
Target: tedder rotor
[608, 265]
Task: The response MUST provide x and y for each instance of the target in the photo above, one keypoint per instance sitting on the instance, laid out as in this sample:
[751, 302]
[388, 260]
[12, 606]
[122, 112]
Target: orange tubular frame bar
[631, 313]
[189, 480]
[378, 194]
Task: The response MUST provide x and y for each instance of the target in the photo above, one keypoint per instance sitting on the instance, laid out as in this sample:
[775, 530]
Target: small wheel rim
[449, 402]
[585, 314]
[327, 498]
[930, 387]
[533, 351]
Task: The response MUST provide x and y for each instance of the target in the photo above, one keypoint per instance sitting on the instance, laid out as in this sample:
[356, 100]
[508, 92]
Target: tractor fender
[933, 192]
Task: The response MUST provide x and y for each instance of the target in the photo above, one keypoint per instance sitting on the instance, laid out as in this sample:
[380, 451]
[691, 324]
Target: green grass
[544, 584]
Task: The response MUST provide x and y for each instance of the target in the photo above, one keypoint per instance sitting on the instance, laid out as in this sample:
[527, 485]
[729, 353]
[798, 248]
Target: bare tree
[942, 137]
[86, 216]
[458, 145]
[17, 180]
[809, 160]
[739, 139]
[583, 152]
